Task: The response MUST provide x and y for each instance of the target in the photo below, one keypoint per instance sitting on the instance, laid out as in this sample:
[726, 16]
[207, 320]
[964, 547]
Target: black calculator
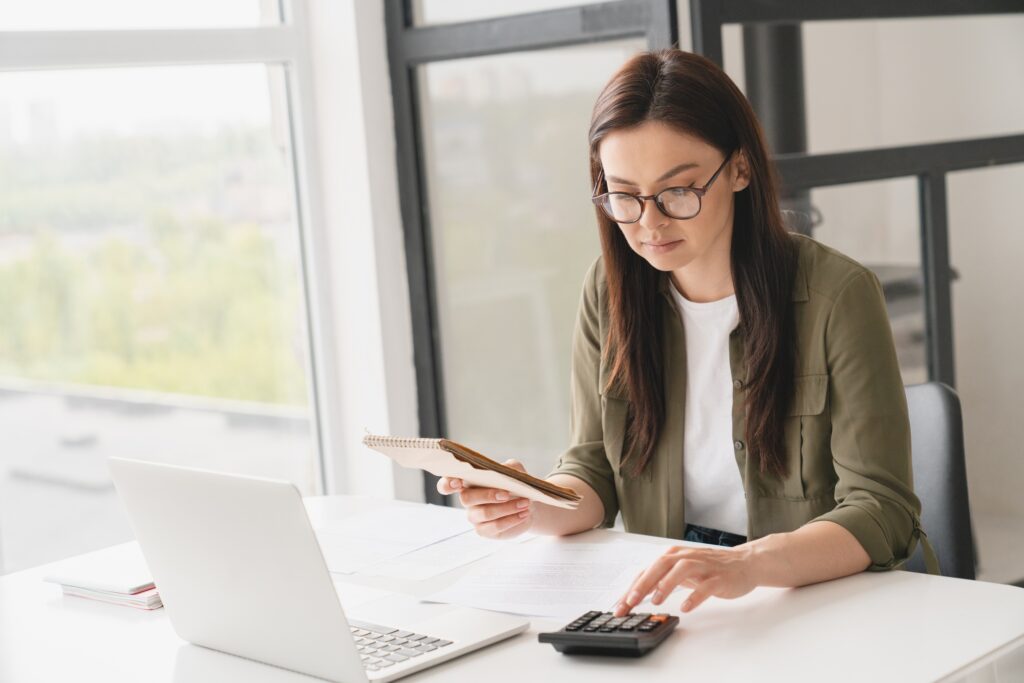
[603, 633]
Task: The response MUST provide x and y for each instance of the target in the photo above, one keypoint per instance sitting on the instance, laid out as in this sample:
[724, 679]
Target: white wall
[356, 155]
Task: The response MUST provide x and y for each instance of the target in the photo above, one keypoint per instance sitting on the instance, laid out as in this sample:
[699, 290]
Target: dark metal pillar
[773, 63]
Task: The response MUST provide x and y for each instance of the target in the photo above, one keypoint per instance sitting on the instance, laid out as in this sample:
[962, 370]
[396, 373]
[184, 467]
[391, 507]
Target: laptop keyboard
[381, 646]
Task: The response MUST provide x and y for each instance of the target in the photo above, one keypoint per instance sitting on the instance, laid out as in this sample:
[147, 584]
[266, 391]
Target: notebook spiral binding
[400, 442]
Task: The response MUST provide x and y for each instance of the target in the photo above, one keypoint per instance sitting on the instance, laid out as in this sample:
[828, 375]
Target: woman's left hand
[719, 572]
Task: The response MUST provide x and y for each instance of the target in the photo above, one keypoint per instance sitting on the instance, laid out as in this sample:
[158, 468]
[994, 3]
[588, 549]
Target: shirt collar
[799, 283]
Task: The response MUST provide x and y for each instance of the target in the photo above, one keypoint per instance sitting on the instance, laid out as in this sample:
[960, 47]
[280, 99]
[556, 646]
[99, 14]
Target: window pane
[514, 232]
[986, 243]
[912, 81]
[74, 15]
[150, 292]
[878, 225]
[451, 11]
[894, 82]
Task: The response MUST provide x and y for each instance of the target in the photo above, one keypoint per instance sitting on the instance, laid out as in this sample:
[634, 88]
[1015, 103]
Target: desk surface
[872, 626]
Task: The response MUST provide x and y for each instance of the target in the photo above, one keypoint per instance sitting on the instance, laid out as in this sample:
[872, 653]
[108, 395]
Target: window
[491, 117]
[451, 11]
[64, 15]
[152, 282]
[513, 235]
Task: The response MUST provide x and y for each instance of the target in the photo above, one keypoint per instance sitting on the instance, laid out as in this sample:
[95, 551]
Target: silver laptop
[239, 570]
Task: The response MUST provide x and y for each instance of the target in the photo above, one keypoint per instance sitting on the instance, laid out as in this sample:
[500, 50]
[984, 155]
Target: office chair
[940, 478]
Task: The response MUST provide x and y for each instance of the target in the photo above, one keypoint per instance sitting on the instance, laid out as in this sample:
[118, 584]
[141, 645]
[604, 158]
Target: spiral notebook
[445, 458]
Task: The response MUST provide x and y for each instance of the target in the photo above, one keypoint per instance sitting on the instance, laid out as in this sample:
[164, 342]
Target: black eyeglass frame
[599, 199]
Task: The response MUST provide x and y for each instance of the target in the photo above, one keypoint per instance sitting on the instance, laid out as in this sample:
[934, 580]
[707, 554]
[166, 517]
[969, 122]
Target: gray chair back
[940, 478]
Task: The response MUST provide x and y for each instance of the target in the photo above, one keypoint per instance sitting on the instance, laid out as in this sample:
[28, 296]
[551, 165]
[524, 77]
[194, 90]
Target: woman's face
[651, 157]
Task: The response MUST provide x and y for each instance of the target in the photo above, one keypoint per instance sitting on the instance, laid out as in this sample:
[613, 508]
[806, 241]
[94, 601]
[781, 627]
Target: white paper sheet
[441, 557]
[358, 541]
[552, 578]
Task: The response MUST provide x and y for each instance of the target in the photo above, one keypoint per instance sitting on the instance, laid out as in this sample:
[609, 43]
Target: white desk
[889, 626]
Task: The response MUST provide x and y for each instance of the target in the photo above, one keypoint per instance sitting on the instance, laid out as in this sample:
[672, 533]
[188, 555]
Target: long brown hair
[693, 95]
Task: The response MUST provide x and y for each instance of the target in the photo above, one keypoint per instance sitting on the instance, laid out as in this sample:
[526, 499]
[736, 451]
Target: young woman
[732, 383]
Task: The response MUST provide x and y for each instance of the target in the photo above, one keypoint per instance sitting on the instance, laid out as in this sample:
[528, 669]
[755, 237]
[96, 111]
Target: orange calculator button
[658, 617]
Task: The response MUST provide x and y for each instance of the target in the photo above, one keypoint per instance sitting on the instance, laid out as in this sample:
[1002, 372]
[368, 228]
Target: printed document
[552, 577]
[358, 541]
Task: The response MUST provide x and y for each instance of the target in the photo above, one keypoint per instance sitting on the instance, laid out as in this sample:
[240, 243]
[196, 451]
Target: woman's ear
[741, 173]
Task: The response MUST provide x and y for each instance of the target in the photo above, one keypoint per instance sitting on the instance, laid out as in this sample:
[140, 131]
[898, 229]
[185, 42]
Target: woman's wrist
[818, 551]
[766, 560]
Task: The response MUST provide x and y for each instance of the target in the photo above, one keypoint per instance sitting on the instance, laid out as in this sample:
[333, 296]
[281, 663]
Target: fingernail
[524, 513]
[456, 484]
[656, 598]
[523, 503]
[501, 495]
[633, 598]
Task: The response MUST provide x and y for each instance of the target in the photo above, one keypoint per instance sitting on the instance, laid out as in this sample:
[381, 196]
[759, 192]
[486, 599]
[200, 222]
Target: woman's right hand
[494, 513]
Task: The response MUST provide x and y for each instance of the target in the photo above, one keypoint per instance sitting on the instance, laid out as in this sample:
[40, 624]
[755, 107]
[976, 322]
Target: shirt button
[738, 445]
[738, 383]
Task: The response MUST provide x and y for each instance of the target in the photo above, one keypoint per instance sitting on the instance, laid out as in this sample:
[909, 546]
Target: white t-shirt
[712, 485]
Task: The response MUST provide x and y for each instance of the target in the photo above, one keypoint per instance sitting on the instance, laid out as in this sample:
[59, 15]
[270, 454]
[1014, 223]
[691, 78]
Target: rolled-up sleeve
[585, 458]
[870, 440]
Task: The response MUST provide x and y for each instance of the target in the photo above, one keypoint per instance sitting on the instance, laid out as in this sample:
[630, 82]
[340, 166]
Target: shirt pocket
[806, 437]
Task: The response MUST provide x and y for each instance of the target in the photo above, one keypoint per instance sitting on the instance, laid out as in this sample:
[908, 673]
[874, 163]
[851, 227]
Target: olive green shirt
[847, 433]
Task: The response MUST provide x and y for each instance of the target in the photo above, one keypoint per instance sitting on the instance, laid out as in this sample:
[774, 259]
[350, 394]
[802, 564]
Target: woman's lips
[662, 247]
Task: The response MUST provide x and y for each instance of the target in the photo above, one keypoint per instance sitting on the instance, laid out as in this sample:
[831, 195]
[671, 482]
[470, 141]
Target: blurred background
[241, 234]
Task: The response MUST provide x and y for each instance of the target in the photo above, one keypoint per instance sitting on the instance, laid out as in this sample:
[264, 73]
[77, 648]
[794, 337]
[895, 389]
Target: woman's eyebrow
[675, 170]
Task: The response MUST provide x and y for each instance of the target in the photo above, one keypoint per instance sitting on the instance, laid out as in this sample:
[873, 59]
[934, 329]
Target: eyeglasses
[680, 203]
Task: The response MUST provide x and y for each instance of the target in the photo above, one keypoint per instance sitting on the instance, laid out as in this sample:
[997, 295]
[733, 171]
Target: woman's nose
[652, 216]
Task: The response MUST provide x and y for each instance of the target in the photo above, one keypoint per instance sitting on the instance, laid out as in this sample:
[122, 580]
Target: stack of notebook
[116, 575]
